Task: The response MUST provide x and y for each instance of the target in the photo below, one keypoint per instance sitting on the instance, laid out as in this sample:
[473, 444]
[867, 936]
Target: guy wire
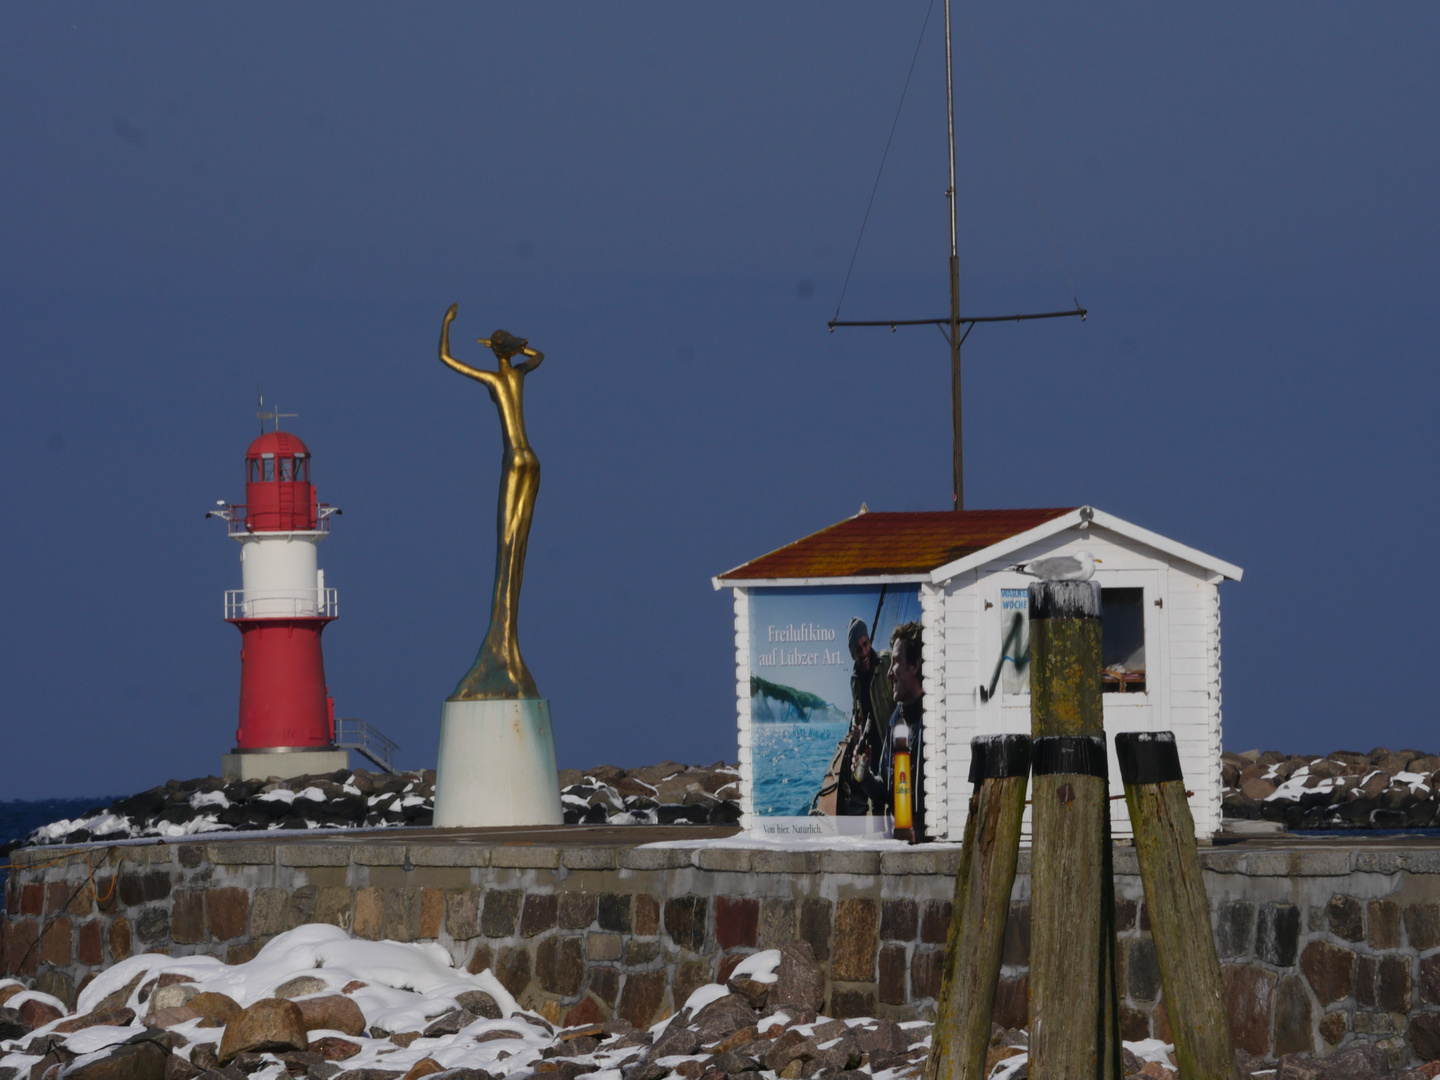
[893, 124]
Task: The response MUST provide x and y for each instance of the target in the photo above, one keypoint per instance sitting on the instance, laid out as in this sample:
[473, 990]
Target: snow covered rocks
[315, 1003]
[1383, 789]
[312, 998]
[664, 794]
[339, 800]
[661, 794]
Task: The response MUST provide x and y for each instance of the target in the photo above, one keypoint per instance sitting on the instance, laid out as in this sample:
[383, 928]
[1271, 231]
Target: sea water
[790, 762]
[20, 817]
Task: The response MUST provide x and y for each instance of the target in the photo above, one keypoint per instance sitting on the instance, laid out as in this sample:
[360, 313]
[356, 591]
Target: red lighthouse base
[283, 700]
[287, 720]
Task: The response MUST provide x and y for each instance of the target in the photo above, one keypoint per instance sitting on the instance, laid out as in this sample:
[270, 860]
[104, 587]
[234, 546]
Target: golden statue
[498, 671]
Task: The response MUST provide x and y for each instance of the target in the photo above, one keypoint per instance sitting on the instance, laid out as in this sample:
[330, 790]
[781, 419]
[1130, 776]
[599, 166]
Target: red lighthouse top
[278, 494]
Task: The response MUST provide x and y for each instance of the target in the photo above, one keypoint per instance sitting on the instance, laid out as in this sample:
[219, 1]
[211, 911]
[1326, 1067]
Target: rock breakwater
[319, 1005]
[1347, 789]
[665, 794]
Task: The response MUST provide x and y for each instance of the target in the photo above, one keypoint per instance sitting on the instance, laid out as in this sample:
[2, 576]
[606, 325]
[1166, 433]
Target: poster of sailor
[823, 701]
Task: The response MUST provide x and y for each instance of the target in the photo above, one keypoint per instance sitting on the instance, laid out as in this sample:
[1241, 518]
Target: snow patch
[759, 966]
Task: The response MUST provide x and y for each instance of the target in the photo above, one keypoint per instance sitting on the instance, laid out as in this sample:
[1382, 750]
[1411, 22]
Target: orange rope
[88, 865]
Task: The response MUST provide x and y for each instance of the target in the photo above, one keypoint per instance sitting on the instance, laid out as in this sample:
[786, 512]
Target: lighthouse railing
[237, 518]
[310, 604]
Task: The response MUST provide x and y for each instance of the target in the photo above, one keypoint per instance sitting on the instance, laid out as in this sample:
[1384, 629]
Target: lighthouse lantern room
[287, 717]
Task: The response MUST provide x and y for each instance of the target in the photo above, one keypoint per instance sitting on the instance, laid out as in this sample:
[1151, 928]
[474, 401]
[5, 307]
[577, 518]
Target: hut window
[267, 466]
[286, 469]
[254, 464]
[1122, 613]
[302, 468]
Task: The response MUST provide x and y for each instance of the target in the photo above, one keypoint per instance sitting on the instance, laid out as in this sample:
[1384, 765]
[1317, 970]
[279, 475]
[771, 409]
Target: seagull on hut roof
[1077, 567]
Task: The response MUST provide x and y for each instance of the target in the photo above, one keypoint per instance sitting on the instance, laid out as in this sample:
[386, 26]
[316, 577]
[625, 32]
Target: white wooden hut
[1162, 633]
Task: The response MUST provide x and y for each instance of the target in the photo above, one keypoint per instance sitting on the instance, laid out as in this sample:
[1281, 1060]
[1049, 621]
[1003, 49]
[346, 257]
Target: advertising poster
[819, 680]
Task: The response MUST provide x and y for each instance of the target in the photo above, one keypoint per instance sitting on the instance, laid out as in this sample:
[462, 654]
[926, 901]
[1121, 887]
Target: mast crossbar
[967, 319]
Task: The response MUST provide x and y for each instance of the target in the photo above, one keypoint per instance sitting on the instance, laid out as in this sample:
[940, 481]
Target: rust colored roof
[880, 544]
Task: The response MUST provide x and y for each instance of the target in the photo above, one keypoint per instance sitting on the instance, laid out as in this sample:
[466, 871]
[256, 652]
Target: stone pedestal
[262, 764]
[496, 765]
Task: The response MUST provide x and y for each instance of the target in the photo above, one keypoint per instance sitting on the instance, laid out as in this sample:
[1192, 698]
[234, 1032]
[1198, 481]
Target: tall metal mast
[949, 327]
[957, 447]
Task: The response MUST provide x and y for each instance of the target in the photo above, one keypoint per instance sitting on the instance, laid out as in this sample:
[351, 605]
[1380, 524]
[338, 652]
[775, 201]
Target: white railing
[316, 604]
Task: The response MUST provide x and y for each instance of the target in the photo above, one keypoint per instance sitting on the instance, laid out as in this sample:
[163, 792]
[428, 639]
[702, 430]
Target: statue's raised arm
[486, 377]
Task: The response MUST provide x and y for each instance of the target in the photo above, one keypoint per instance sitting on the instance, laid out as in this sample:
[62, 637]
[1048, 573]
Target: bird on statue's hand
[1077, 567]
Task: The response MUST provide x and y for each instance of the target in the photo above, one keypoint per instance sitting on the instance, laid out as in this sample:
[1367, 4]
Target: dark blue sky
[664, 198]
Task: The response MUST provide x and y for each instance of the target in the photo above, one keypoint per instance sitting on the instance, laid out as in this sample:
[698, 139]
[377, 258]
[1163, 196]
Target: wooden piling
[1074, 1020]
[999, 769]
[1179, 909]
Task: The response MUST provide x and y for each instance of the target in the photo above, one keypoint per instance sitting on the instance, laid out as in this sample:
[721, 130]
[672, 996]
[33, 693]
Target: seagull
[1077, 567]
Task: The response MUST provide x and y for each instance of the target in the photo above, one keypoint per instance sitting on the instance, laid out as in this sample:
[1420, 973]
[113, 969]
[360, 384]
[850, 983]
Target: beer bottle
[904, 808]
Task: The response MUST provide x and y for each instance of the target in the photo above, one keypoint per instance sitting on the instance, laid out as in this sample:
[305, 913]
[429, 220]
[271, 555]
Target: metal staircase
[355, 734]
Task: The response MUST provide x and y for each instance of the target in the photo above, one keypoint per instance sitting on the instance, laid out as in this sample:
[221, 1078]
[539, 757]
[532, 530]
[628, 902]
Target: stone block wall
[1320, 946]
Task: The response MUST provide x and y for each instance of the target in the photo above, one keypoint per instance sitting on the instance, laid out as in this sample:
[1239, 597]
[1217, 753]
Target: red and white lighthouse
[283, 608]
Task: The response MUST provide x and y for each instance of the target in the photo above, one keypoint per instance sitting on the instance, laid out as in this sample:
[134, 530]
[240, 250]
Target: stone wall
[1320, 946]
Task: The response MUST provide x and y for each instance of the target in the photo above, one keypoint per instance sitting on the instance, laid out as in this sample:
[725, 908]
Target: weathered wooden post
[1179, 909]
[1074, 1021]
[999, 769]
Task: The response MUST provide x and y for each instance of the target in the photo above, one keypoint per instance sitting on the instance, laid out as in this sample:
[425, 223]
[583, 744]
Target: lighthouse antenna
[274, 415]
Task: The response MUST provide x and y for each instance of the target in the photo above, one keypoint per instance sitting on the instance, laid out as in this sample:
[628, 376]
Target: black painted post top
[993, 757]
[1147, 757]
[1064, 600]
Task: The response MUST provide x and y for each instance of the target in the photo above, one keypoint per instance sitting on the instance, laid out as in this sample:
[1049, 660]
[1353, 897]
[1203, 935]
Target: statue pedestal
[496, 765]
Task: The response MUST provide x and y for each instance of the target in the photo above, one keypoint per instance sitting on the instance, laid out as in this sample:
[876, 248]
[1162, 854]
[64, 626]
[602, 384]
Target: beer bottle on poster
[904, 808]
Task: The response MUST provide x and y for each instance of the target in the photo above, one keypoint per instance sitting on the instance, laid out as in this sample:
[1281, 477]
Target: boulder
[334, 1011]
[754, 992]
[11, 1026]
[177, 1068]
[799, 979]
[883, 1035]
[166, 997]
[220, 1009]
[301, 986]
[480, 1003]
[121, 1017]
[450, 1023]
[334, 1048]
[843, 1053]
[734, 1064]
[790, 1047]
[269, 1024]
[171, 1017]
[723, 1016]
[35, 1013]
[674, 1040]
[424, 1067]
[1296, 1067]
[203, 1055]
[368, 1074]
[1256, 788]
[128, 1061]
[739, 1038]
[1358, 1061]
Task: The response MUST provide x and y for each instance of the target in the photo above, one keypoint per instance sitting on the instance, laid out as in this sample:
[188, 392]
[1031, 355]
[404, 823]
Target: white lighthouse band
[281, 578]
